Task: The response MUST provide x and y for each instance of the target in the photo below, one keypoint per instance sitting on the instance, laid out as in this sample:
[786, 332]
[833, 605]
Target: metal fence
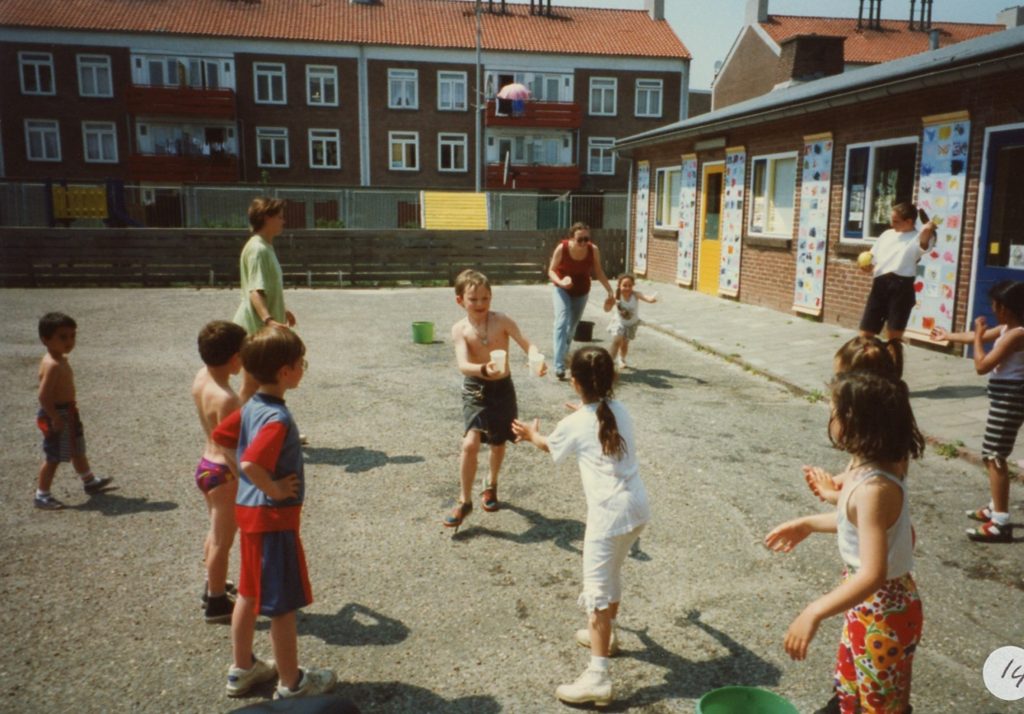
[27, 205]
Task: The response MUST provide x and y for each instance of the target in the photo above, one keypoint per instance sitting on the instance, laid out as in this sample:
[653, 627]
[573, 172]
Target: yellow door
[710, 253]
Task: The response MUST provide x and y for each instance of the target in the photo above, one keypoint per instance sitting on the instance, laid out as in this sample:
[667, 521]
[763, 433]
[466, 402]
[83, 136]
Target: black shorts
[890, 302]
[489, 407]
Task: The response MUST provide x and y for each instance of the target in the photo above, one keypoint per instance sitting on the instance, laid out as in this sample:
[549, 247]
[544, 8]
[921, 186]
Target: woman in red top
[573, 263]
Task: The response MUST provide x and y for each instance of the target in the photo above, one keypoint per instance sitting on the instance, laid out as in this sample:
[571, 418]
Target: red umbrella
[514, 92]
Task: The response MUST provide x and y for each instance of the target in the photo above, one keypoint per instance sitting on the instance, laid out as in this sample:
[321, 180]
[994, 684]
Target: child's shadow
[689, 679]
[354, 625]
[657, 378]
[355, 459]
[109, 503]
[563, 532]
[366, 697]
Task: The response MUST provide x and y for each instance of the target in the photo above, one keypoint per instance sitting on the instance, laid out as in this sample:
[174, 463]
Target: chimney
[1011, 17]
[933, 39]
[860, 15]
[655, 8]
[808, 57]
[757, 11]
[911, 25]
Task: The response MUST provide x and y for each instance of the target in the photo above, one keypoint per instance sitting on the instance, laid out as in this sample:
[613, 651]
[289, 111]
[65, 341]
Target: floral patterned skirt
[876, 651]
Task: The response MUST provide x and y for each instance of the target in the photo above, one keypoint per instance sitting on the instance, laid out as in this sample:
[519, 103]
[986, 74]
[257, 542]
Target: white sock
[41, 494]
[86, 476]
[1000, 519]
[598, 664]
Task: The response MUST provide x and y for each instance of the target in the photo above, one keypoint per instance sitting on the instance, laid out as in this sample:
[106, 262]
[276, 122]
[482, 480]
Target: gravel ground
[102, 611]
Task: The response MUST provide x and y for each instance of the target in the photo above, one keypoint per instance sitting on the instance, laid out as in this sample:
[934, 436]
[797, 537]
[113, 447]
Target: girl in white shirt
[600, 434]
[625, 317]
[871, 420]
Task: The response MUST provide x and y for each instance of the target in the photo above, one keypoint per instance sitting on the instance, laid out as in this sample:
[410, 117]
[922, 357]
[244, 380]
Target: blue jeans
[568, 312]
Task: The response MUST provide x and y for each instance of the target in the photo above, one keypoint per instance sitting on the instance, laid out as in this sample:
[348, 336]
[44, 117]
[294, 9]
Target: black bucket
[584, 331]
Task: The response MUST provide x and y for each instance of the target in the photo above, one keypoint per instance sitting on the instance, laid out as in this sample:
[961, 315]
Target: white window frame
[273, 134]
[452, 139]
[645, 87]
[36, 60]
[458, 81]
[324, 75]
[667, 200]
[324, 136]
[603, 85]
[99, 129]
[406, 78]
[403, 138]
[95, 65]
[868, 188]
[770, 161]
[42, 127]
[269, 71]
[605, 148]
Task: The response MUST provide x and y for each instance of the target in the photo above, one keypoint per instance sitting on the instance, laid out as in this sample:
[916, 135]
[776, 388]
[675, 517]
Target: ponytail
[594, 372]
[612, 443]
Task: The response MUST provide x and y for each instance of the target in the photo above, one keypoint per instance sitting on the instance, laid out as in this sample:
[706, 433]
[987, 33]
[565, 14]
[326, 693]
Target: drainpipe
[364, 118]
[479, 108]
[933, 39]
[629, 219]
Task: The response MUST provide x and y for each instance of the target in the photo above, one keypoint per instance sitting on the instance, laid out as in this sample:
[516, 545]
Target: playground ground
[101, 600]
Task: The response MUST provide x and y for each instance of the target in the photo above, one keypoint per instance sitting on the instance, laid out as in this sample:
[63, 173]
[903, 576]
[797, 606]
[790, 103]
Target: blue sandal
[458, 514]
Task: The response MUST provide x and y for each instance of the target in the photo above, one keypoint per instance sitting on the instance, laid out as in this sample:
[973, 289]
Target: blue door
[999, 254]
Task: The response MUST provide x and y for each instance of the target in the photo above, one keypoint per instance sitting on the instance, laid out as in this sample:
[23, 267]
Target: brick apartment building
[356, 93]
[769, 201]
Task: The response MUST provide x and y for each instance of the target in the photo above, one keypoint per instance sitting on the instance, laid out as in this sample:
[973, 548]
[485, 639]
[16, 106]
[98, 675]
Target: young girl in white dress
[625, 317]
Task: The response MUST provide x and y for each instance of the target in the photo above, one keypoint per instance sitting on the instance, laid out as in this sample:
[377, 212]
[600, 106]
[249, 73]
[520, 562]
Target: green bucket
[743, 700]
[423, 333]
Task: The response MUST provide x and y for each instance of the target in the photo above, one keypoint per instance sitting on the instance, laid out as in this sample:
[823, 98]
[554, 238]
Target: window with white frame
[402, 84]
[42, 139]
[648, 97]
[271, 146]
[99, 139]
[270, 83]
[601, 155]
[878, 176]
[324, 149]
[451, 91]
[321, 85]
[451, 152]
[404, 150]
[772, 192]
[36, 72]
[666, 197]
[603, 95]
[94, 76]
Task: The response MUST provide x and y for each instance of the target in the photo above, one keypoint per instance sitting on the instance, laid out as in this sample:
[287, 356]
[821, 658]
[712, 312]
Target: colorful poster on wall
[687, 220]
[940, 193]
[812, 233]
[642, 212]
[732, 222]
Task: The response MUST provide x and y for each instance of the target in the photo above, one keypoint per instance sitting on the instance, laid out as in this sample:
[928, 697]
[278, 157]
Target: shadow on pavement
[657, 378]
[355, 459]
[560, 531]
[111, 504]
[951, 391]
[354, 625]
[373, 697]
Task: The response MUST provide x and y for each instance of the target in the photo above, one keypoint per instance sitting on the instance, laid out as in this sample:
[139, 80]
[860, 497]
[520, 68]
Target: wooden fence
[70, 257]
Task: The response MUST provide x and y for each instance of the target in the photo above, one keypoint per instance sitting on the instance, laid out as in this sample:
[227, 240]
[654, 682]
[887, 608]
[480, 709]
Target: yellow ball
[864, 259]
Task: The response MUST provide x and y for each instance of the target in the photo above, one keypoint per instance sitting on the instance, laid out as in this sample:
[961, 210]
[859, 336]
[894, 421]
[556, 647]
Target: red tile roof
[446, 24]
[867, 46]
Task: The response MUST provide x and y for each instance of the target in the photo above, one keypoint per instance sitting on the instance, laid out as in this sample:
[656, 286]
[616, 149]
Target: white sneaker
[583, 640]
[620, 364]
[312, 683]
[240, 681]
[589, 687]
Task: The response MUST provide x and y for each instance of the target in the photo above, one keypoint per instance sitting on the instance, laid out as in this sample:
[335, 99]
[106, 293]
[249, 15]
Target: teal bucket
[423, 333]
[743, 700]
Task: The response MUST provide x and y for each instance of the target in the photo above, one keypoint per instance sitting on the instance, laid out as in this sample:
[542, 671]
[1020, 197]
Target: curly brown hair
[874, 418]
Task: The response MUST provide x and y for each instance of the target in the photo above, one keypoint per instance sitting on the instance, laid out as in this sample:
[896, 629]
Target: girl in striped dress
[1004, 364]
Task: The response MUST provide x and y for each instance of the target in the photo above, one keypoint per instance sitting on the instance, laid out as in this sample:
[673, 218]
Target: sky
[708, 27]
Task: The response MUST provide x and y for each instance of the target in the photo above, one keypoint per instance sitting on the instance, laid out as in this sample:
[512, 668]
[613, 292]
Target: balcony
[180, 169]
[549, 178]
[561, 115]
[181, 101]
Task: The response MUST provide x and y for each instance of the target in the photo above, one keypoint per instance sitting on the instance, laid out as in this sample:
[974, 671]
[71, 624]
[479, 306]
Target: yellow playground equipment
[74, 202]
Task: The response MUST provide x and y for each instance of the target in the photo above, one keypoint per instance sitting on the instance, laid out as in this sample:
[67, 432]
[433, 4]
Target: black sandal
[458, 514]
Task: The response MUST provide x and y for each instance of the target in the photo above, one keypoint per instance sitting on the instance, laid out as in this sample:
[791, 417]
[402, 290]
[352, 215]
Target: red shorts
[274, 573]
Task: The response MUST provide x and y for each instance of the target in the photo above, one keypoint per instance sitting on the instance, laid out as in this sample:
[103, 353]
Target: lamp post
[479, 105]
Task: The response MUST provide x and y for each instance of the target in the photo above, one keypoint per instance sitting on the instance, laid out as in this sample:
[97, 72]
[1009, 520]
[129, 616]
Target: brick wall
[748, 74]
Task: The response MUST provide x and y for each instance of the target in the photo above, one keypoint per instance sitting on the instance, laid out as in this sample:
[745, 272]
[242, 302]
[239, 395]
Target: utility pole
[479, 104]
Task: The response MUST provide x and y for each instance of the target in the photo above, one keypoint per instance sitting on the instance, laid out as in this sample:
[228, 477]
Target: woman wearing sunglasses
[575, 260]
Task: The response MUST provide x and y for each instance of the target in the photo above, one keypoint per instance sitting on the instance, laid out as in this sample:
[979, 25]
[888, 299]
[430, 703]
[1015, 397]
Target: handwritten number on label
[1018, 673]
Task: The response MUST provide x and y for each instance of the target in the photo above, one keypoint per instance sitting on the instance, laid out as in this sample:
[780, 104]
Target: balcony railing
[179, 169]
[181, 101]
[550, 178]
[563, 115]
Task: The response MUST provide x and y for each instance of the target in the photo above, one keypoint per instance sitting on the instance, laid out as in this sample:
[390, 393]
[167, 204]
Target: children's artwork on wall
[944, 145]
[687, 220]
[732, 221]
[812, 232]
[642, 212]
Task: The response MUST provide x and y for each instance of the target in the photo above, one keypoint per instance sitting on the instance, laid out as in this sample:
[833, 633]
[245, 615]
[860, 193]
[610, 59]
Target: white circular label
[1004, 673]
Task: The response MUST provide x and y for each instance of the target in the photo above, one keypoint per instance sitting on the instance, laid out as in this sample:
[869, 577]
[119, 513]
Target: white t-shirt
[897, 252]
[1012, 366]
[616, 497]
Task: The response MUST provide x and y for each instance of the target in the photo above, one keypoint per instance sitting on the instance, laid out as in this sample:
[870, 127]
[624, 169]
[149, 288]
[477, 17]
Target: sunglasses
[583, 239]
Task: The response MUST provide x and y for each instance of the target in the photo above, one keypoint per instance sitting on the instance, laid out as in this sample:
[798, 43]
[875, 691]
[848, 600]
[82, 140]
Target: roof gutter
[935, 78]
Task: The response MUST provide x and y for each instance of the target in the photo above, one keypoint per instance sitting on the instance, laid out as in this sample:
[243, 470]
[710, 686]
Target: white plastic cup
[500, 358]
[536, 363]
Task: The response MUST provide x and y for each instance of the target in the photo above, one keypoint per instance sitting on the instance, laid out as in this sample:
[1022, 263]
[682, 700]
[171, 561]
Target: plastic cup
[536, 363]
[500, 358]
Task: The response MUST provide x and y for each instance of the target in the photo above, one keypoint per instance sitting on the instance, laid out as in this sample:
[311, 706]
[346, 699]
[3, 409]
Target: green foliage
[814, 396]
[949, 450]
[329, 223]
